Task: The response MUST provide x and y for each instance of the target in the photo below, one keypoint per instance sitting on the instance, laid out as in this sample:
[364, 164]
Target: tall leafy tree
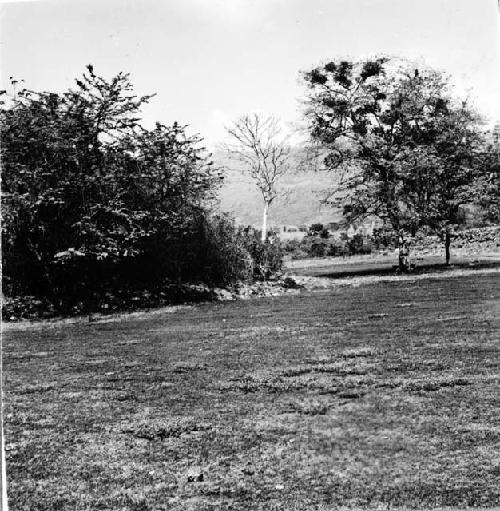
[60, 153]
[489, 191]
[452, 173]
[403, 147]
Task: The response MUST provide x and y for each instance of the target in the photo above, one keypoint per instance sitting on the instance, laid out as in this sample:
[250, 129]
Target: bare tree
[260, 144]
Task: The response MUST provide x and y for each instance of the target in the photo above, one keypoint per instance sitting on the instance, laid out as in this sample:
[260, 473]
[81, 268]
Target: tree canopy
[405, 148]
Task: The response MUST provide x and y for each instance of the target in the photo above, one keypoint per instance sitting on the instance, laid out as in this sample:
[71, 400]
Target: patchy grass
[370, 397]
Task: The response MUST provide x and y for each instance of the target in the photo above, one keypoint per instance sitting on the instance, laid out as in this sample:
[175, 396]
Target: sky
[210, 61]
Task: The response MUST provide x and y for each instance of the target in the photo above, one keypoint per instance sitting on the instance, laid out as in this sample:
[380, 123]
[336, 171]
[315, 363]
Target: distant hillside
[240, 196]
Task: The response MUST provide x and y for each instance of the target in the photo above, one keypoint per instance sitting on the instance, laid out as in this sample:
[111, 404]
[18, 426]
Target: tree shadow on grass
[385, 269]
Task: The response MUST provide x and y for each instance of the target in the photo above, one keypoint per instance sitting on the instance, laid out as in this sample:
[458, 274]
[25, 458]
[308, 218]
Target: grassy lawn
[375, 265]
[377, 396]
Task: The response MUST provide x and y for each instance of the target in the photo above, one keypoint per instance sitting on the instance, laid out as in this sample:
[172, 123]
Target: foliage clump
[94, 203]
[404, 148]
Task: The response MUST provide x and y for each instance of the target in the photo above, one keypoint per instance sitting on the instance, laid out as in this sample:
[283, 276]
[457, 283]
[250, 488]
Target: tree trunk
[447, 243]
[264, 222]
[404, 255]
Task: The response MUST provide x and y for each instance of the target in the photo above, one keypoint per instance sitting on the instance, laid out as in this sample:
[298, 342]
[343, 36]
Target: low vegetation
[326, 246]
[380, 396]
[339, 244]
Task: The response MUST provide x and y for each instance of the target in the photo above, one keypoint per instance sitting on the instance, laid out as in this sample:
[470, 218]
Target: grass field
[369, 397]
[338, 267]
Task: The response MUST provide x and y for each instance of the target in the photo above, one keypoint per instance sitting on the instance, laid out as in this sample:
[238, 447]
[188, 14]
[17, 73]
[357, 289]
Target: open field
[369, 397]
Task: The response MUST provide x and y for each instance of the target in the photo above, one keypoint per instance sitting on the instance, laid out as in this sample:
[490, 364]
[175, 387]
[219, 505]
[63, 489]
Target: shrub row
[320, 246]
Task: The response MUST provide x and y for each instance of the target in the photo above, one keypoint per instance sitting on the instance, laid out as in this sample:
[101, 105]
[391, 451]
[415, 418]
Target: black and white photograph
[250, 255]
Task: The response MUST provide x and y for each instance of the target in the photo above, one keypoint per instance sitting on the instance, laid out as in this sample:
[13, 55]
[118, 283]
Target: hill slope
[241, 197]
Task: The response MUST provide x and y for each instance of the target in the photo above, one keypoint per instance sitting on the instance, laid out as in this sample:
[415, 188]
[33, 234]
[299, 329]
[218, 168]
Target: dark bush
[267, 256]
[226, 257]
[318, 246]
[94, 210]
[355, 244]
[338, 249]
[296, 249]
[384, 237]
[318, 249]
[291, 246]
[316, 229]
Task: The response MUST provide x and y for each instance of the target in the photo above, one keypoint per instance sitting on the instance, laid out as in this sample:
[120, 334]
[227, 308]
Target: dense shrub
[226, 257]
[267, 256]
[295, 249]
[318, 249]
[94, 204]
[338, 249]
[384, 237]
[359, 245]
[319, 230]
[319, 246]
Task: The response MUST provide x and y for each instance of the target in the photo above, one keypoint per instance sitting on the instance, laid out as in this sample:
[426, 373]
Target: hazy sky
[212, 60]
